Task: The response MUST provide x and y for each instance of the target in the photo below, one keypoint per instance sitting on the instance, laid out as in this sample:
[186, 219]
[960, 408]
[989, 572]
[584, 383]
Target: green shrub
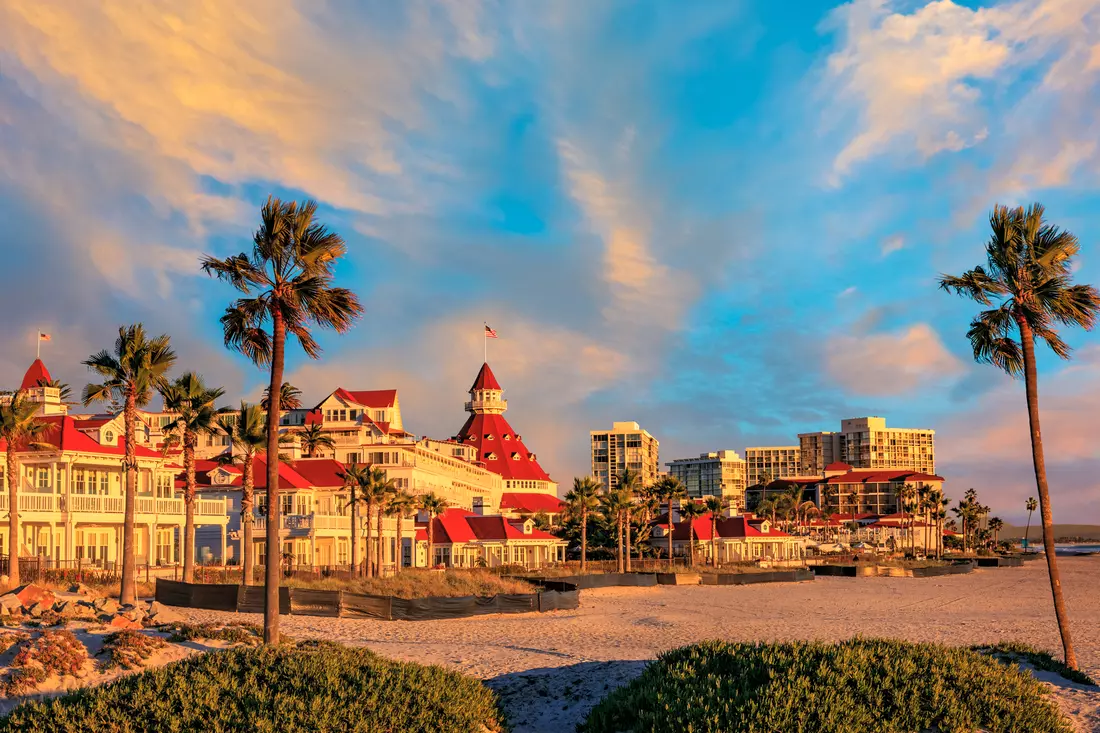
[857, 685]
[54, 652]
[250, 634]
[1016, 652]
[129, 649]
[318, 687]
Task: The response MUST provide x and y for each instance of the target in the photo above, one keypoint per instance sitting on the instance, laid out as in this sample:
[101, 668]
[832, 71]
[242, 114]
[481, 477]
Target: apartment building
[868, 443]
[776, 462]
[719, 473]
[818, 450]
[626, 445]
[71, 491]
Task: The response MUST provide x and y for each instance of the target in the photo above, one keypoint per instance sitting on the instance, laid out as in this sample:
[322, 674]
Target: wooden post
[80, 570]
[147, 572]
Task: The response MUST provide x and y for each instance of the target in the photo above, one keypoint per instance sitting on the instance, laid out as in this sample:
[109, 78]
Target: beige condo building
[780, 461]
[718, 473]
[626, 445]
[868, 443]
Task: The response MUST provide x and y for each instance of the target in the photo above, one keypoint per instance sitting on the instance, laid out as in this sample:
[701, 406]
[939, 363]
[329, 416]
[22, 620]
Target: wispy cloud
[890, 364]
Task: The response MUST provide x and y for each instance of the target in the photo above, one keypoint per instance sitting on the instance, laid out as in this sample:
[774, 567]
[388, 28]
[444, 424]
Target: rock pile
[34, 603]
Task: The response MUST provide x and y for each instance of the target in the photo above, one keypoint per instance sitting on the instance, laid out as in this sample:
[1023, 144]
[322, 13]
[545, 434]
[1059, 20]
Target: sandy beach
[551, 668]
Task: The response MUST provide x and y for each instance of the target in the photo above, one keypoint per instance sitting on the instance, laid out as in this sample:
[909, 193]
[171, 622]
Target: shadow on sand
[556, 699]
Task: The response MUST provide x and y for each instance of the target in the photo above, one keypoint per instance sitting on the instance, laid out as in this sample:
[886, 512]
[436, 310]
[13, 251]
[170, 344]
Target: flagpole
[485, 342]
[38, 344]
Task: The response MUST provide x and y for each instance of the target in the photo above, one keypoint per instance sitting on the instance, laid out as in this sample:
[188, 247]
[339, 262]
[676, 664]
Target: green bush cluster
[128, 649]
[1016, 652]
[250, 634]
[858, 685]
[318, 687]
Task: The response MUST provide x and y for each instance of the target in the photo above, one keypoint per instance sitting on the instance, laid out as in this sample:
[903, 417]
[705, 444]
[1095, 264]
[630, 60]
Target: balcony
[145, 506]
[307, 521]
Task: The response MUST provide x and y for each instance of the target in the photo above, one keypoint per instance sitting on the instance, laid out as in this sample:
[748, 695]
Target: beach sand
[551, 668]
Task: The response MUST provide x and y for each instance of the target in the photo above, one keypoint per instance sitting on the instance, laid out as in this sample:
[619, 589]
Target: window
[353, 414]
[78, 481]
[104, 483]
[109, 436]
[352, 458]
[380, 415]
[286, 504]
[43, 478]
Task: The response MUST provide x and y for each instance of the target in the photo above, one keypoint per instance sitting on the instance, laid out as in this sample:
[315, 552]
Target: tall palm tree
[193, 402]
[19, 426]
[714, 506]
[615, 507]
[380, 489]
[1031, 505]
[248, 434]
[290, 397]
[582, 500]
[630, 482]
[689, 512]
[313, 438]
[130, 375]
[400, 506]
[1028, 283]
[354, 476]
[668, 490]
[287, 281]
[996, 524]
[434, 506]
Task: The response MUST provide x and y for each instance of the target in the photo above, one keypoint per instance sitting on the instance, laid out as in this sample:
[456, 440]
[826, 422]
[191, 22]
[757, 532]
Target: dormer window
[108, 436]
[532, 456]
[765, 526]
[490, 456]
[488, 436]
[528, 526]
[515, 456]
[507, 436]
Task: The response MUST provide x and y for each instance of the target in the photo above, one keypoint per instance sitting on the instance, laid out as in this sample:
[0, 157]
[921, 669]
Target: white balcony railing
[31, 502]
[210, 508]
[114, 505]
[306, 521]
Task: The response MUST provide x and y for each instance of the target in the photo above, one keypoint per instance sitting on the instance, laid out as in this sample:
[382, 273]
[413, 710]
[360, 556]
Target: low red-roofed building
[741, 538]
[465, 539]
[522, 505]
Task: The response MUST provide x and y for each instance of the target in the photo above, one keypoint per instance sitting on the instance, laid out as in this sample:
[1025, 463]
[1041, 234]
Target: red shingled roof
[459, 525]
[502, 452]
[35, 373]
[376, 398]
[728, 528]
[63, 434]
[881, 476]
[531, 503]
[322, 472]
[485, 379]
[838, 466]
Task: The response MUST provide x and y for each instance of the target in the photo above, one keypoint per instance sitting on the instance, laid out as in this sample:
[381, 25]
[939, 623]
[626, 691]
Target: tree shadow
[556, 699]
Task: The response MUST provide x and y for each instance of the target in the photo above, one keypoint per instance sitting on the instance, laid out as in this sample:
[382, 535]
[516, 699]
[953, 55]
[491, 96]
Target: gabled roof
[881, 476]
[320, 472]
[728, 528]
[485, 379]
[35, 373]
[64, 435]
[374, 398]
[838, 466]
[458, 526]
[530, 502]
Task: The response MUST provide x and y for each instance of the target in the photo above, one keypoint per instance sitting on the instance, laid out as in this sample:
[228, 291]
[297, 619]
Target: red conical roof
[500, 449]
[37, 372]
[486, 380]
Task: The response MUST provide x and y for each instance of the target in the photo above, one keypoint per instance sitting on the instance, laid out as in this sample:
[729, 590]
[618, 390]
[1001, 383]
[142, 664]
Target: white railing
[154, 505]
[37, 503]
[345, 439]
[331, 521]
[210, 507]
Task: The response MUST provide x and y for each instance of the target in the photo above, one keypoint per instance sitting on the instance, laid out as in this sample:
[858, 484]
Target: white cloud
[848, 291]
[892, 244]
[890, 364]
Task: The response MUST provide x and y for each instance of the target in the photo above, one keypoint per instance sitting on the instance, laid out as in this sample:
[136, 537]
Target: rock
[106, 605]
[134, 613]
[121, 622]
[38, 609]
[9, 602]
[75, 610]
[161, 614]
[81, 589]
[31, 594]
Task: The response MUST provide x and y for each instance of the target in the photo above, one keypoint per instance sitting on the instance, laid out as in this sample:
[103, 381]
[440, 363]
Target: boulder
[134, 613]
[119, 623]
[38, 609]
[81, 589]
[75, 610]
[106, 605]
[9, 603]
[161, 614]
[31, 594]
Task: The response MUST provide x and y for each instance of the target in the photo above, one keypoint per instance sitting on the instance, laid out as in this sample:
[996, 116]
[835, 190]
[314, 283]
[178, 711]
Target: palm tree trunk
[714, 540]
[400, 547]
[627, 547]
[584, 539]
[189, 441]
[274, 554]
[354, 565]
[1031, 385]
[369, 550]
[13, 518]
[431, 538]
[691, 541]
[247, 490]
[381, 547]
[1027, 532]
[670, 532]
[127, 592]
[621, 566]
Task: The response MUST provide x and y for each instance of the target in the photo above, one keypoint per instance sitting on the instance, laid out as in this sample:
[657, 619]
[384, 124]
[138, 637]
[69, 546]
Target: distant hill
[1087, 531]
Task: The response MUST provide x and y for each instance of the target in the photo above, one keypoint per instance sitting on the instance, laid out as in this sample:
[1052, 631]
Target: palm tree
[380, 489]
[19, 426]
[193, 403]
[355, 476]
[290, 397]
[714, 506]
[1031, 505]
[1028, 275]
[434, 506]
[248, 434]
[131, 374]
[668, 490]
[288, 281]
[996, 524]
[313, 438]
[690, 511]
[630, 482]
[400, 506]
[615, 507]
[583, 499]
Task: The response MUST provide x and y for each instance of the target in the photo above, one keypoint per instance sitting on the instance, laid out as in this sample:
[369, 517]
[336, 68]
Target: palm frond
[975, 284]
[992, 346]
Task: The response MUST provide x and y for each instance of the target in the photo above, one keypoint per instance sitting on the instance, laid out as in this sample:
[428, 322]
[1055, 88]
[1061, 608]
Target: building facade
[868, 443]
[719, 473]
[818, 450]
[626, 446]
[774, 461]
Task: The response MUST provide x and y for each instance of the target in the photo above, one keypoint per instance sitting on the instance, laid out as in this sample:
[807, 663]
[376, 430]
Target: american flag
[490, 333]
[43, 336]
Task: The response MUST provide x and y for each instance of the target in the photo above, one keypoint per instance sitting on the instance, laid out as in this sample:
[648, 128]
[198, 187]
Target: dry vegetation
[423, 584]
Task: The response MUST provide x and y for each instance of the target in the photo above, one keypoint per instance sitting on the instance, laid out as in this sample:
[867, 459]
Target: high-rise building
[719, 473]
[866, 442]
[625, 446]
[818, 450]
[775, 461]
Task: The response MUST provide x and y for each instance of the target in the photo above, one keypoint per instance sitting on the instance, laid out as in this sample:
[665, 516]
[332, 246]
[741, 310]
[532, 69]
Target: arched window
[109, 436]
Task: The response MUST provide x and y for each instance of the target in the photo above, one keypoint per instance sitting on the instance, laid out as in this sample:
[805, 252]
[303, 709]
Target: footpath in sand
[551, 668]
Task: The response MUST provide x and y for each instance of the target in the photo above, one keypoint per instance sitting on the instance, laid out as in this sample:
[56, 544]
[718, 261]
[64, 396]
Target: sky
[723, 220]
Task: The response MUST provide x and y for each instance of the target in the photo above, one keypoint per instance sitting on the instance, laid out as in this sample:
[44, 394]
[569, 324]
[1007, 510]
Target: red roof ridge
[486, 379]
[36, 372]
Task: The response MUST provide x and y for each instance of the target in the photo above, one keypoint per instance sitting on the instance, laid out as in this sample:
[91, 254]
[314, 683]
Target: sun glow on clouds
[890, 364]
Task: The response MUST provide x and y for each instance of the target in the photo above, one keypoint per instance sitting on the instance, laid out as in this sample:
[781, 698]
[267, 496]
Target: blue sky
[723, 220]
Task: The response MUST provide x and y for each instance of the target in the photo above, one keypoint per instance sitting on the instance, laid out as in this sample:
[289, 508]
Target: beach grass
[1018, 652]
[861, 684]
[307, 687]
[423, 584]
